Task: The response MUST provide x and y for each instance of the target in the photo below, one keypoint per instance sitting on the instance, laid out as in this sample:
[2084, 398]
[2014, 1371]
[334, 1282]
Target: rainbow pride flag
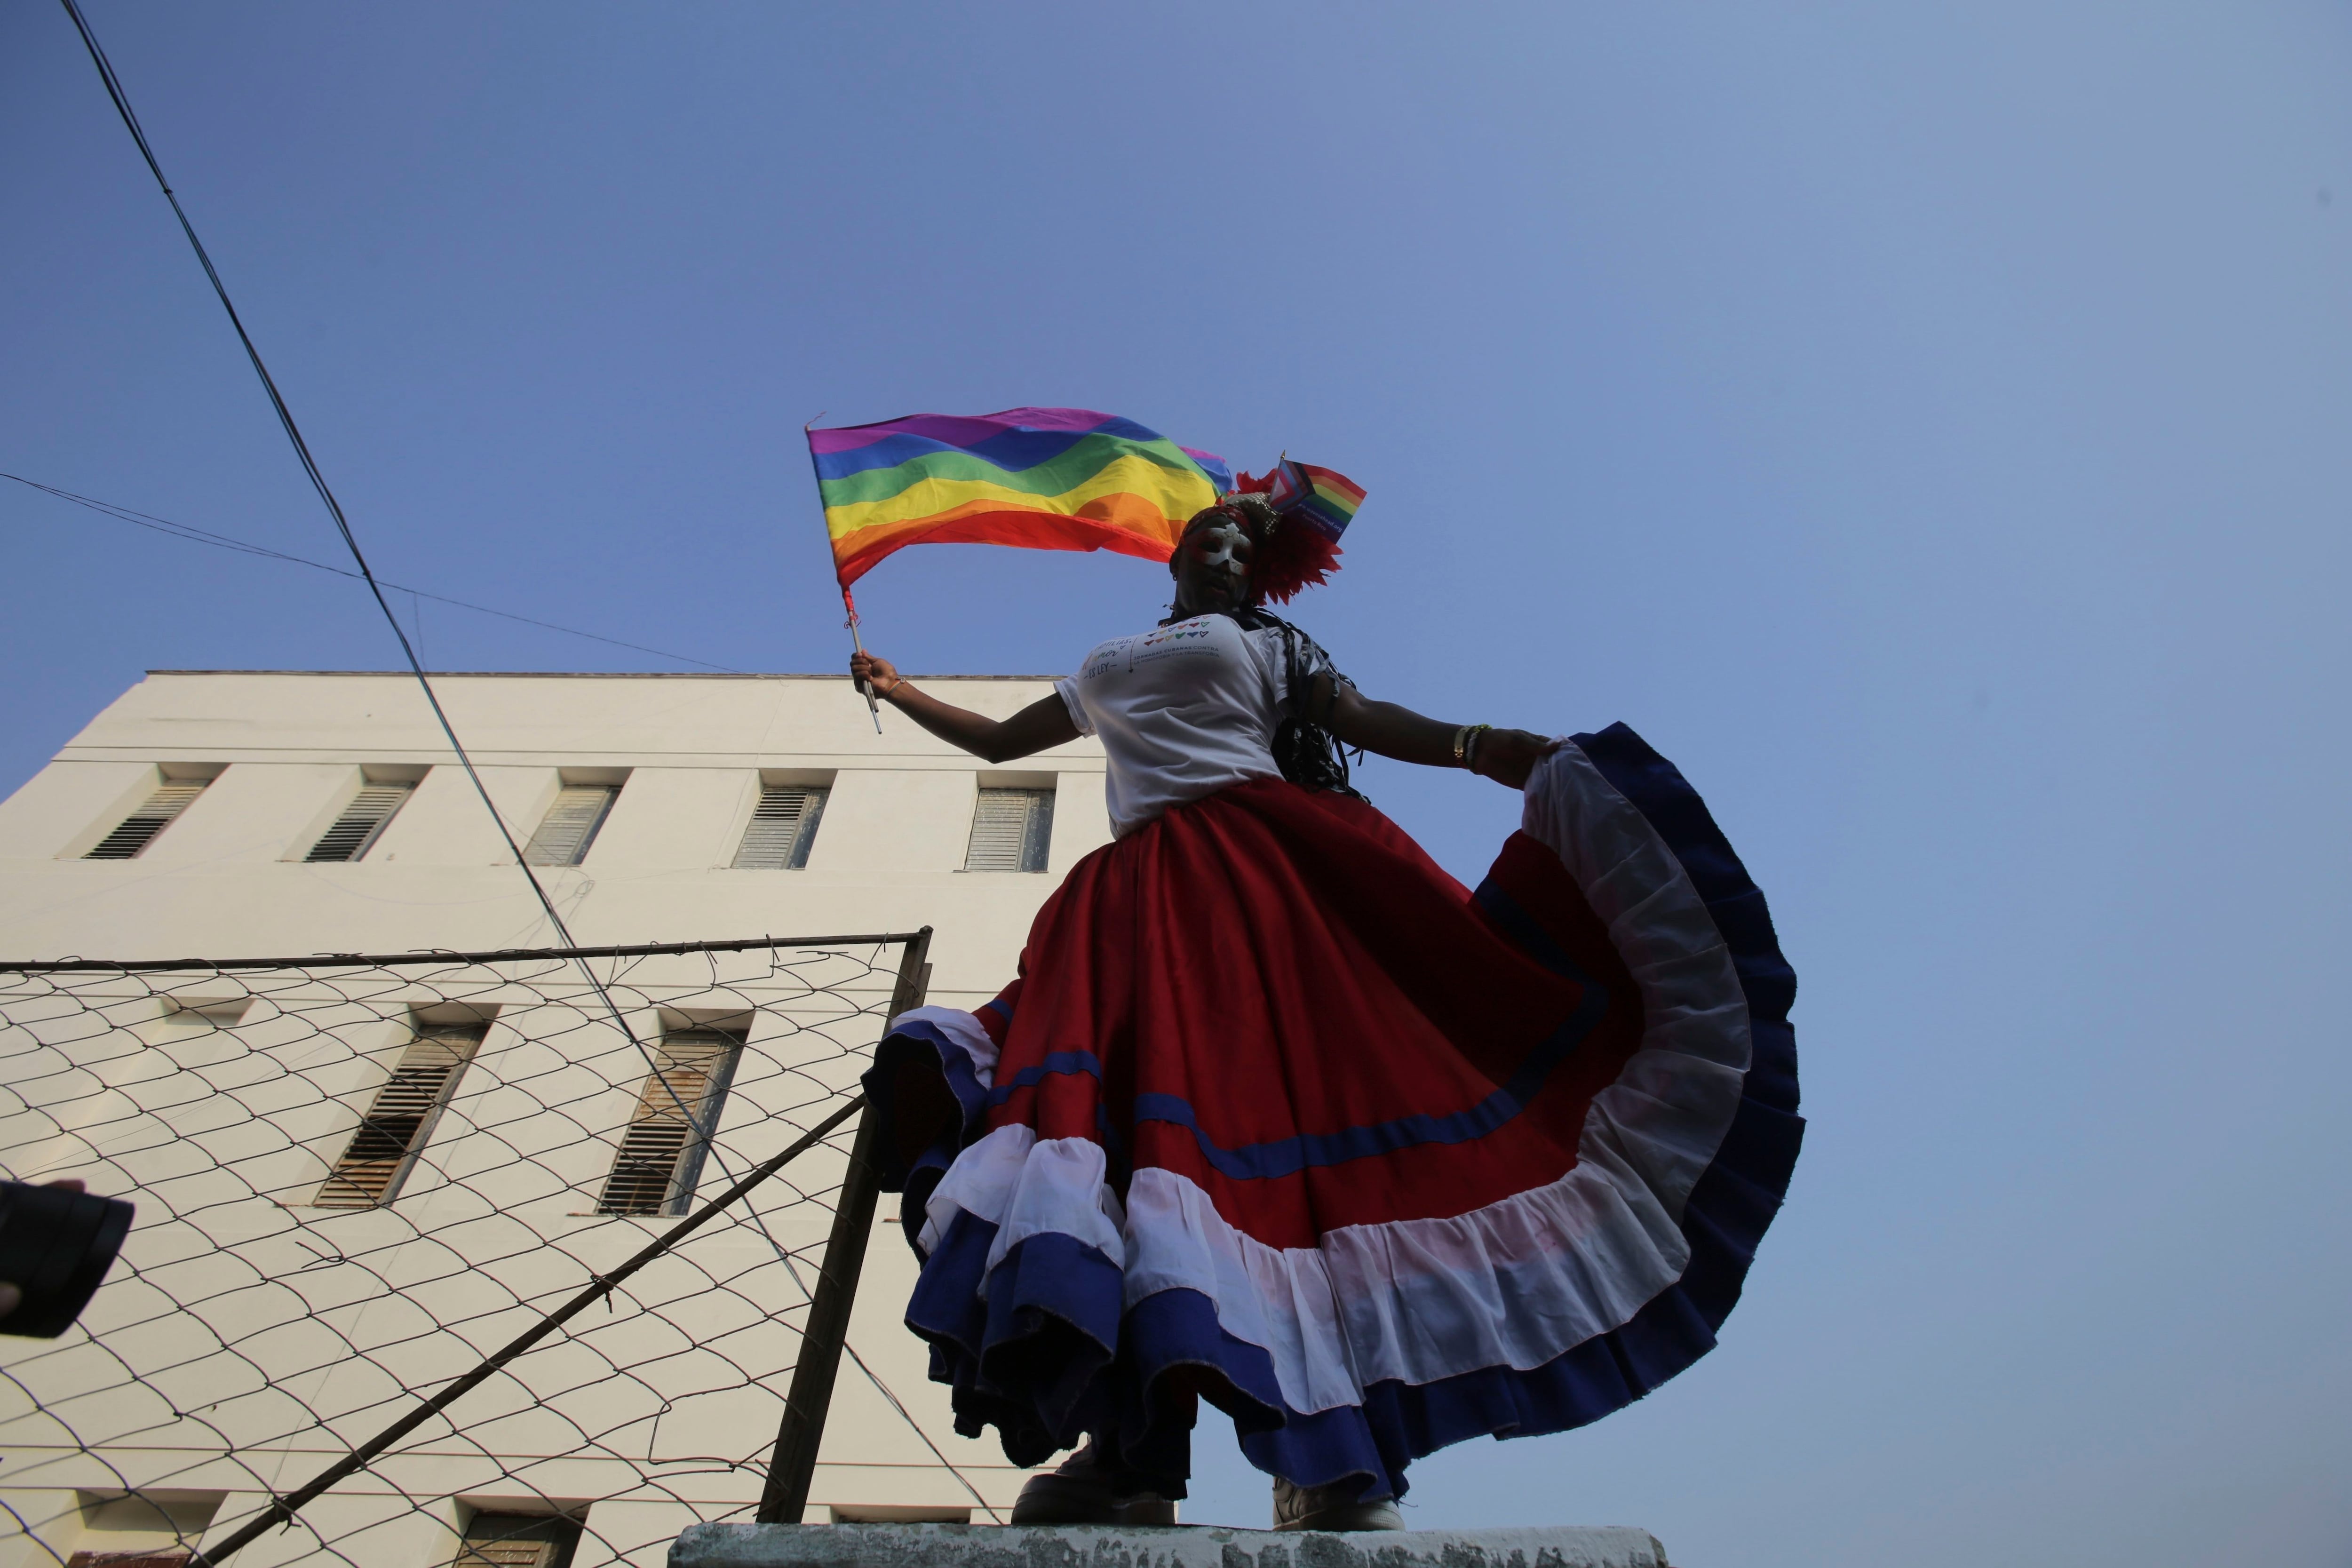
[1039, 478]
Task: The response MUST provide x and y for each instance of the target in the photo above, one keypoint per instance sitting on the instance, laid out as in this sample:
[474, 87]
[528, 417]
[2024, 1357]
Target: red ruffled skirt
[1281, 1115]
[1291, 971]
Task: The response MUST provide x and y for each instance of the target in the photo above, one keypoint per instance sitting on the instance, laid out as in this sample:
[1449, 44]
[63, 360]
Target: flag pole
[865, 688]
[859, 644]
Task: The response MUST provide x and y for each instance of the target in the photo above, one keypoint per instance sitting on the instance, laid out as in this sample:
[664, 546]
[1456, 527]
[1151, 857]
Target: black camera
[56, 1245]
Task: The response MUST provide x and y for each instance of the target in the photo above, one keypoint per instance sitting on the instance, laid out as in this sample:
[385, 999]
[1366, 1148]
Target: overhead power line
[196, 535]
[210, 1558]
[326, 494]
[351, 542]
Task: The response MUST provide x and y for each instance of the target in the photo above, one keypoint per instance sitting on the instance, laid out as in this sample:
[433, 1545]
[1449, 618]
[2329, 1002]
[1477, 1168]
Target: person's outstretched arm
[1043, 723]
[1506, 757]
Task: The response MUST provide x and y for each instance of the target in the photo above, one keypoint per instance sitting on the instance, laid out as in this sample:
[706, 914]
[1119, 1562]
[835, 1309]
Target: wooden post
[785, 1497]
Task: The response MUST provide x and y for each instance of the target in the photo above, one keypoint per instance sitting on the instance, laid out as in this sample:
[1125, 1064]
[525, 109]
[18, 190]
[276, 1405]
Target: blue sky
[1927, 424]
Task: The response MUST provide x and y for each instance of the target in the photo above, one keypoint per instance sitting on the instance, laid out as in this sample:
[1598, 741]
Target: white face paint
[1216, 547]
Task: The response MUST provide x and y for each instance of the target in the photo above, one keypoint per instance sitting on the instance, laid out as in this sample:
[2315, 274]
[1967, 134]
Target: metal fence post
[785, 1497]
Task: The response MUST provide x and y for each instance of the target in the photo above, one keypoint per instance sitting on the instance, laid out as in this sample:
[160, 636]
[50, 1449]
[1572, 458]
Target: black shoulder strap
[1309, 754]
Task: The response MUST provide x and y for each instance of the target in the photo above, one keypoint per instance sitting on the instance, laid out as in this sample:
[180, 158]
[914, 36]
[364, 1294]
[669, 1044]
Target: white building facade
[354, 1178]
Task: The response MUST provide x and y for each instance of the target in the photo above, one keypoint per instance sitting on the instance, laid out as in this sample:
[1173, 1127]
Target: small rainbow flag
[1326, 498]
[1039, 478]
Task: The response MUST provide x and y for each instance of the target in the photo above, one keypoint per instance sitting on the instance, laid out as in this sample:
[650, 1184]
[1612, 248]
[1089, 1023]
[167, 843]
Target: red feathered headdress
[1300, 547]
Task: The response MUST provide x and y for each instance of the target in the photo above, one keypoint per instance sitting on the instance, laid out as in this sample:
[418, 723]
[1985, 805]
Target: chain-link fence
[357, 1178]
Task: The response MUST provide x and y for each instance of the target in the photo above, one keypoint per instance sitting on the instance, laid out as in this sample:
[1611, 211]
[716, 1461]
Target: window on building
[355, 831]
[138, 830]
[782, 827]
[186, 1015]
[400, 1120]
[668, 1134]
[518, 1540]
[135, 1530]
[896, 1513]
[571, 823]
[1011, 831]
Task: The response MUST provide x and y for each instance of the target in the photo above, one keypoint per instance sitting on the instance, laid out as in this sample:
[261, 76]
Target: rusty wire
[247, 1338]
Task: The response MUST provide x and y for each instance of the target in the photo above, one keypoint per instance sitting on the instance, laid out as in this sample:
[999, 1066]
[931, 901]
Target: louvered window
[571, 825]
[401, 1119]
[139, 829]
[518, 1541]
[355, 831]
[668, 1134]
[1011, 831]
[783, 826]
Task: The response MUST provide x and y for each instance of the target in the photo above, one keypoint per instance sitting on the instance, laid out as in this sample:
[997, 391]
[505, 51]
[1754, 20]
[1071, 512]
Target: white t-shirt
[1183, 711]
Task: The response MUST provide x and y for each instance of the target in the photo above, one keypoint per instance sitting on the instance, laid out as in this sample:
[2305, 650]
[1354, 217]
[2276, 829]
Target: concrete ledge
[1180, 1546]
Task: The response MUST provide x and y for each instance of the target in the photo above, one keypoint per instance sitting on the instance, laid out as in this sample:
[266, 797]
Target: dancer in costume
[1280, 1116]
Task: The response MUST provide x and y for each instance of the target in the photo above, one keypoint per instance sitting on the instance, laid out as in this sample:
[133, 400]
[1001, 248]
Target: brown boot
[1079, 1491]
[1333, 1507]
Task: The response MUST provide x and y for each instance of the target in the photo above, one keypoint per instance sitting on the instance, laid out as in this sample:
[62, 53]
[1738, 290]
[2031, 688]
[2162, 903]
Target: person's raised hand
[11, 1296]
[1508, 756]
[878, 676]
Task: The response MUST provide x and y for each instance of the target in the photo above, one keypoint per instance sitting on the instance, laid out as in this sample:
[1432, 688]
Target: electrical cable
[376, 587]
[196, 535]
[358, 559]
[908, 1416]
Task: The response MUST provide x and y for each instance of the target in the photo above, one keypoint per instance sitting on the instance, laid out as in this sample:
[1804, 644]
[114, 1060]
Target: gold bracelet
[1460, 754]
[1466, 748]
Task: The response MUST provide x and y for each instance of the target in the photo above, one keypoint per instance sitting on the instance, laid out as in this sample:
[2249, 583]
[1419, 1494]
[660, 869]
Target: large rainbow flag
[1040, 479]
